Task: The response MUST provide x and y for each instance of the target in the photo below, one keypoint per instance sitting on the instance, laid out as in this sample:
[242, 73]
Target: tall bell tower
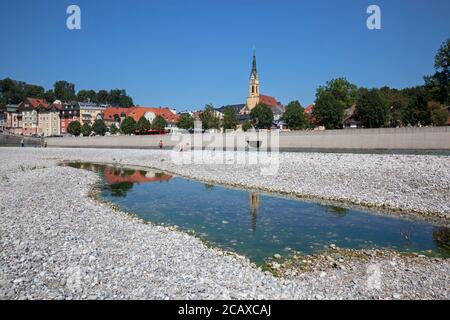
[253, 97]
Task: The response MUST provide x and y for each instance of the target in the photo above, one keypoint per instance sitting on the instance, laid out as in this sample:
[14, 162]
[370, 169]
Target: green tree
[328, 111]
[11, 91]
[342, 90]
[159, 124]
[295, 117]
[247, 125]
[74, 128]
[438, 113]
[439, 84]
[372, 110]
[209, 118]
[99, 127]
[331, 101]
[49, 96]
[229, 119]
[417, 110]
[64, 91]
[113, 129]
[186, 122]
[86, 129]
[33, 91]
[143, 125]
[261, 116]
[128, 125]
[87, 96]
[103, 97]
[119, 98]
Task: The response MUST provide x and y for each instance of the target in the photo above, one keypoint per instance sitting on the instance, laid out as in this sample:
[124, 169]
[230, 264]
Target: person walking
[22, 142]
[161, 145]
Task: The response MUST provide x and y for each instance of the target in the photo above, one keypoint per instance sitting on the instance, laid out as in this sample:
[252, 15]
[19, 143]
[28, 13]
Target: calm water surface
[259, 225]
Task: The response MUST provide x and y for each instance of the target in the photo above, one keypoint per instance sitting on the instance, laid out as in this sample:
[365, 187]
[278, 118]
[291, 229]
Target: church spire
[254, 71]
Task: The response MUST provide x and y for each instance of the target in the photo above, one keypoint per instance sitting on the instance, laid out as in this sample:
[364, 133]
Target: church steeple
[254, 71]
[253, 97]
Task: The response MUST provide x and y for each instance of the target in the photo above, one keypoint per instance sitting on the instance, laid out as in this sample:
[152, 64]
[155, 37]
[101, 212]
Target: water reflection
[259, 225]
[254, 207]
[441, 237]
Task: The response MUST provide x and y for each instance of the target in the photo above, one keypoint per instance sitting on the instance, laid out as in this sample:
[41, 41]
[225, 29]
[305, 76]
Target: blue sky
[185, 54]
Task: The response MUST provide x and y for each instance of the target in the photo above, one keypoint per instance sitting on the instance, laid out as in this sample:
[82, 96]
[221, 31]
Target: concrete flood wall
[11, 140]
[359, 139]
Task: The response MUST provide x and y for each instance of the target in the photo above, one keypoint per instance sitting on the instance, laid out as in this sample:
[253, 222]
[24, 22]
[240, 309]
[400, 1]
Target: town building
[49, 120]
[89, 112]
[114, 115]
[12, 121]
[70, 112]
[28, 115]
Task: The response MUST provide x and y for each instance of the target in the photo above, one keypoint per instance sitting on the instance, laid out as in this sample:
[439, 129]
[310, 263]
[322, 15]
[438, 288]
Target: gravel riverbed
[58, 243]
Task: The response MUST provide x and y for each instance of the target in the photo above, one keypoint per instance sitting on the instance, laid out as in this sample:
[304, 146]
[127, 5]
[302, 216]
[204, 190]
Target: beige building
[89, 112]
[28, 115]
[49, 120]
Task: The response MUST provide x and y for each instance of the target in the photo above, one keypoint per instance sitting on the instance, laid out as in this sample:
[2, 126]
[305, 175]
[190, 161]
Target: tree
[342, 90]
[372, 109]
[209, 118]
[229, 119]
[128, 125]
[294, 116]
[438, 113]
[113, 129]
[86, 129]
[417, 112]
[186, 122]
[99, 127]
[439, 84]
[328, 111]
[74, 128]
[33, 91]
[247, 125]
[143, 125]
[64, 91]
[331, 101]
[159, 124]
[261, 116]
[102, 97]
[49, 96]
[119, 98]
[87, 96]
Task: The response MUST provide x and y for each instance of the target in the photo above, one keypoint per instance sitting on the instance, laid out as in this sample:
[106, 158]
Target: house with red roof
[28, 115]
[114, 115]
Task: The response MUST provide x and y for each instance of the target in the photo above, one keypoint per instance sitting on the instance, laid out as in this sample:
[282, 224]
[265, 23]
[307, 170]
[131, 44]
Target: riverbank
[58, 243]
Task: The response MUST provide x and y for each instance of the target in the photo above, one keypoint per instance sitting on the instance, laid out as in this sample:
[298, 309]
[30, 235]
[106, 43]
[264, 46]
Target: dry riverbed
[56, 242]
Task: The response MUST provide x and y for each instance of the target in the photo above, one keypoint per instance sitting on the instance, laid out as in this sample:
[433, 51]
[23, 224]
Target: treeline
[424, 105]
[13, 92]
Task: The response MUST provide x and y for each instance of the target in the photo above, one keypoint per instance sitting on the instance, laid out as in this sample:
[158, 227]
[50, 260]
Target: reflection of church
[254, 207]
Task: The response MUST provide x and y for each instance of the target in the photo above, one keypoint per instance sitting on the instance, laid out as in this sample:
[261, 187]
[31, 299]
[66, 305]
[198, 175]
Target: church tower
[253, 98]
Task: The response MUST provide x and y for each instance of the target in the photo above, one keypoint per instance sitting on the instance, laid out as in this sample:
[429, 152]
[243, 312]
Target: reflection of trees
[337, 211]
[121, 189]
[254, 207]
[441, 237]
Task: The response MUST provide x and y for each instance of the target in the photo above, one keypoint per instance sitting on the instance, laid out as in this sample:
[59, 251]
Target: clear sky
[184, 54]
